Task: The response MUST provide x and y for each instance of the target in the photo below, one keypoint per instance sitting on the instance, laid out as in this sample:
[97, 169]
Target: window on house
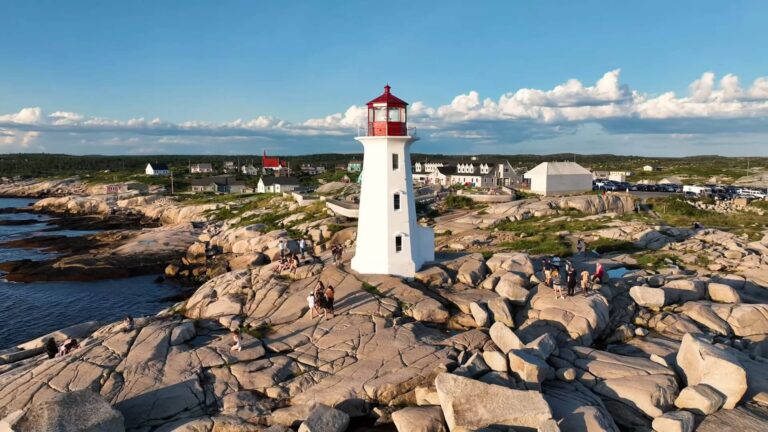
[396, 201]
[398, 243]
[395, 161]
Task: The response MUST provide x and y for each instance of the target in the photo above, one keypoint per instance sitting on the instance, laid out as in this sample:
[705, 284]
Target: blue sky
[489, 77]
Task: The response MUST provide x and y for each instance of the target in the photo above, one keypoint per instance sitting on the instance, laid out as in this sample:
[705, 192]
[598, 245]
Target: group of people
[320, 300]
[54, 350]
[570, 277]
[290, 262]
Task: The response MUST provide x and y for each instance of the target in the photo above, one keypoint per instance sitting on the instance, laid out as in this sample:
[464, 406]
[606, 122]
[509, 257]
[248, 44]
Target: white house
[201, 168]
[249, 170]
[619, 176]
[427, 167]
[651, 168]
[157, 169]
[559, 178]
[277, 184]
[389, 238]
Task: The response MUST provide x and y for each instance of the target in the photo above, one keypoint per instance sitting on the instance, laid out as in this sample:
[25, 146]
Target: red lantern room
[387, 115]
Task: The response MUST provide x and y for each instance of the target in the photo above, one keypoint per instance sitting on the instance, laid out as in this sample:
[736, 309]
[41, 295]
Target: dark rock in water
[159, 280]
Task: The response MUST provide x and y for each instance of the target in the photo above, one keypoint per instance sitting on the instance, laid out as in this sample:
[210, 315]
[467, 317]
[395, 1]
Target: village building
[201, 168]
[311, 169]
[389, 238]
[157, 169]
[480, 174]
[427, 166]
[219, 184]
[274, 184]
[355, 166]
[559, 178]
[274, 165]
[121, 188]
[249, 170]
[651, 168]
[230, 166]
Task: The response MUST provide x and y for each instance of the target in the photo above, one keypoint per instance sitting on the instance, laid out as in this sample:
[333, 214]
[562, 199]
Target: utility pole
[171, 182]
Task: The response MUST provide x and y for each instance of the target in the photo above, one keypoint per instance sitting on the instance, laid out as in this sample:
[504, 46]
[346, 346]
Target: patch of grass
[605, 245]
[541, 244]
[702, 260]
[656, 260]
[371, 289]
[257, 332]
[459, 202]
[677, 212]
[761, 204]
[444, 233]
[541, 225]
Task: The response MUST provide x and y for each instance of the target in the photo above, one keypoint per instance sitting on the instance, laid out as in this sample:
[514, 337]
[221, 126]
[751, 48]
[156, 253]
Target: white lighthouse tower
[389, 238]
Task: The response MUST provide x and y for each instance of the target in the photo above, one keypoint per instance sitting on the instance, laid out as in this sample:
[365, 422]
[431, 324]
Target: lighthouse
[389, 238]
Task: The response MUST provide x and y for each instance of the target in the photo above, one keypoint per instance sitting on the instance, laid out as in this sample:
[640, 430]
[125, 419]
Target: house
[355, 165]
[427, 167]
[230, 166]
[312, 170]
[201, 168]
[270, 165]
[249, 170]
[475, 173]
[120, 188]
[619, 176]
[340, 167]
[220, 184]
[157, 169]
[442, 175]
[651, 168]
[559, 178]
[277, 184]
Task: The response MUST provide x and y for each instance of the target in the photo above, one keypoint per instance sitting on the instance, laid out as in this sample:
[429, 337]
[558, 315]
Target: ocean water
[30, 310]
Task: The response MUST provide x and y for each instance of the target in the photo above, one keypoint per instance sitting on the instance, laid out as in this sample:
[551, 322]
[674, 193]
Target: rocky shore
[475, 342]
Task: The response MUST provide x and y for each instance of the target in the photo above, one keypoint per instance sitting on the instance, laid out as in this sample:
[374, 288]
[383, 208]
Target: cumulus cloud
[710, 106]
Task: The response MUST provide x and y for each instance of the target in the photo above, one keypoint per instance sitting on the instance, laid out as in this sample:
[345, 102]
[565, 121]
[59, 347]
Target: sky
[655, 78]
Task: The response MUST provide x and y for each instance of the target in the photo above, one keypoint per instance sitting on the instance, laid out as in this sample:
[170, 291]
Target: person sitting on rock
[585, 282]
[68, 346]
[329, 294]
[128, 323]
[283, 264]
[295, 263]
[238, 338]
[50, 348]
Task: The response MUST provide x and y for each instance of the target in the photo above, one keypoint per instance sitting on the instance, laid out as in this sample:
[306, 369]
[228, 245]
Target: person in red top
[599, 272]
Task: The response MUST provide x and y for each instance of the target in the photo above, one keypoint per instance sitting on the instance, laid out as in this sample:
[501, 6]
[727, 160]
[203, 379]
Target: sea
[31, 310]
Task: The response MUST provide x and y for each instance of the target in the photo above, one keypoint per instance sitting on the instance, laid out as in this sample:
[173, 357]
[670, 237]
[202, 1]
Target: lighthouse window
[395, 161]
[394, 114]
[398, 243]
[380, 115]
[396, 201]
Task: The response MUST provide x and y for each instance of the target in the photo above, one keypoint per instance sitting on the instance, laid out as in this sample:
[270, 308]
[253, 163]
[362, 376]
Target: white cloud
[526, 113]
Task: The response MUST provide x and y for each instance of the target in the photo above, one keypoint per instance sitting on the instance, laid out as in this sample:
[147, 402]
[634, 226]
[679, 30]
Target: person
[570, 280]
[555, 274]
[311, 304]
[556, 262]
[568, 265]
[295, 263]
[283, 245]
[581, 247]
[302, 247]
[128, 323]
[238, 341]
[329, 293]
[599, 272]
[50, 348]
[68, 346]
[546, 269]
[585, 282]
[697, 226]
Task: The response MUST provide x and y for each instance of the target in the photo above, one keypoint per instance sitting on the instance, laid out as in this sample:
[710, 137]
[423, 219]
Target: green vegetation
[606, 245]
[762, 204]
[371, 289]
[549, 224]
[459, 202]
[541, 244]
[656, 260]
[677, 212]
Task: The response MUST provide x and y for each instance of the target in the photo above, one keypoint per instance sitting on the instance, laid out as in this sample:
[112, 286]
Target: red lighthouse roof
[388, 98]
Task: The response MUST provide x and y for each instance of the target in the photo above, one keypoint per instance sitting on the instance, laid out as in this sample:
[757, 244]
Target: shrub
[459, 202]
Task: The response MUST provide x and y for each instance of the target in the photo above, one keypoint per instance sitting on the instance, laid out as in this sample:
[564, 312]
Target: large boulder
[674, 421]
[469, 405]
[647, 296]
[703, 363]
[722, 293]
[196, 253]
[512, 287]
[684, 290]
[576, 408]
[325, 419]
[77, 411]
[519, 263]
[501, 311]
[419, 419]
[433, 277]
[531, 369]
[700, 399]
[472, 271]
[504, 338]
[480, 314]
[429, 310]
